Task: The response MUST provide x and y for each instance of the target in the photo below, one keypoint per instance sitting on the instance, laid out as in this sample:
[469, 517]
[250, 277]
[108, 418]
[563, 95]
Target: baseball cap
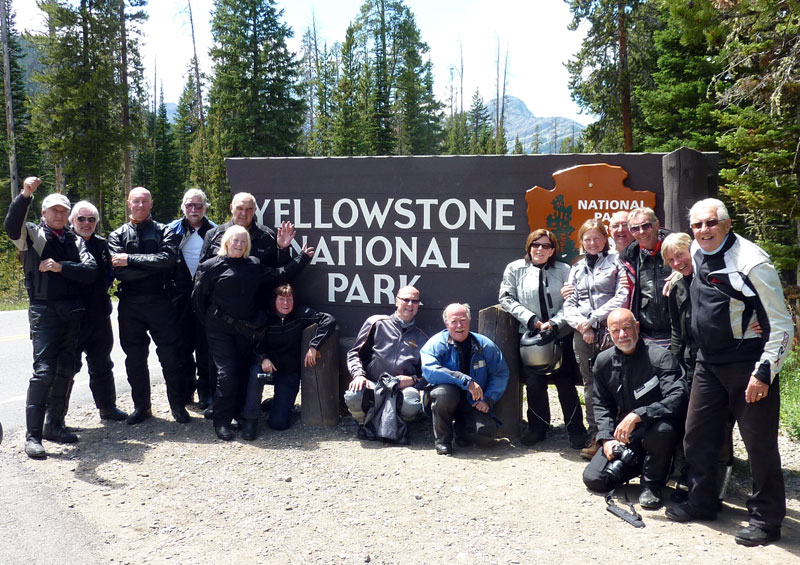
[55, 199]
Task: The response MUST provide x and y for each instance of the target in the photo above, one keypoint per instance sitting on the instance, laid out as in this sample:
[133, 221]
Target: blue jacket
[440, 364]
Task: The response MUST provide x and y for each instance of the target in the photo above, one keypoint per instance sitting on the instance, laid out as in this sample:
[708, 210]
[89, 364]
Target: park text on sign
[404, 233]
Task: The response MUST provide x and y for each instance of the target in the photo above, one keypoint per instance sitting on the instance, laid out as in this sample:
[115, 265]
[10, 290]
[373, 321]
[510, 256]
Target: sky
[533, 32]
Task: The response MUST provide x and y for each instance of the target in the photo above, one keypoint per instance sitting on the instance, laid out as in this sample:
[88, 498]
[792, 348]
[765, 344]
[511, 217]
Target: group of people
[673, 339]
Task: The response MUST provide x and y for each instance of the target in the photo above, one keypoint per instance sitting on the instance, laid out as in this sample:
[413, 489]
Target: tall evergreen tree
[479, 123]
[761, 120]
[679, 111]
[74, 112]
[456, 135]
[349, 123]
[255, 103]
[616, 58]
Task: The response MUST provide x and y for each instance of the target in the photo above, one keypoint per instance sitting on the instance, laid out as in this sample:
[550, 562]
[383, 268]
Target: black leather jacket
[95, 295]
[152, 250]
[183, 280]
[648, 382]
[648, 273]
[37, 242]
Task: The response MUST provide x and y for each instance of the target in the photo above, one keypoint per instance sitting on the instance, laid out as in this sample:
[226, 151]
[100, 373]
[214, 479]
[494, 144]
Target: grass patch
[13, 304]
[790, 395]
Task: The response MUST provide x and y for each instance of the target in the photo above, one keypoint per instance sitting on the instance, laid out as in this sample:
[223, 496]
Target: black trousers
[154, 315]
[231, 352]
[718, 390]
[54, 326]
[654, 446]
[194, 349]
[564, 379]
[453, 415]
[96, 340]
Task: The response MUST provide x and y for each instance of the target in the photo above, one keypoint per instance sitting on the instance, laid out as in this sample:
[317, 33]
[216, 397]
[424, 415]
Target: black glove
[532, 323]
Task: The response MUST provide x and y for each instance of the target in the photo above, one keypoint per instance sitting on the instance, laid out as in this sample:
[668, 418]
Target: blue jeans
[286, 389]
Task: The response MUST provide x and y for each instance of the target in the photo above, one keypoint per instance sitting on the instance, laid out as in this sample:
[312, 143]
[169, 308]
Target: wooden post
[319, 389]
[686, 181]
[501, 327]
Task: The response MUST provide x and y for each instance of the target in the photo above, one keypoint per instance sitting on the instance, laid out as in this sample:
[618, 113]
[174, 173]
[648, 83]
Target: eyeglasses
[647, 226]
[408, 300]
[536, 245]
[90, 219]
[193, 206]
[619, 226]
[707, 223]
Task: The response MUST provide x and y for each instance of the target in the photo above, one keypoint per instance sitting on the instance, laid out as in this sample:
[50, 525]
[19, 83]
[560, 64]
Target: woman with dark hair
[531, 292]
[600, 287]
[224, 297]
[278, 359]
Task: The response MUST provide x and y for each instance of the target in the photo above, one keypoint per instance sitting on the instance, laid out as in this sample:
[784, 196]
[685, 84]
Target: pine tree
[456, 135]
[75, 113]
[255, 102]
[519, 149]
[679, 111]
[348, 123]
[616, 58]
[28, 155]
[481, 140]
[761, 121]
[165, 185]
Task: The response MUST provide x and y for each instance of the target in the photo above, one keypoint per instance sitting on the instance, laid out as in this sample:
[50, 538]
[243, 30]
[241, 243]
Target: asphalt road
[35, 527]
[16, 359]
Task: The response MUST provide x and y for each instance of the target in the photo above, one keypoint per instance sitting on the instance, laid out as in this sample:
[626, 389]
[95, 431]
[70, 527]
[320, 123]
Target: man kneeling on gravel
[640, 397]
[388, 344]
[468, 375]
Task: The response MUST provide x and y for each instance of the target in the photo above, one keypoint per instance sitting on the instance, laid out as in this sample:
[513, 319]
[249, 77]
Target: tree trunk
[126, 117]
[10, 133]
[199, 103]
[624, 78]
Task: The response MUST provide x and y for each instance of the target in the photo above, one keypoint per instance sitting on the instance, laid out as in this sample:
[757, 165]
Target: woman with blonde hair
[600, 286]
[224, 297]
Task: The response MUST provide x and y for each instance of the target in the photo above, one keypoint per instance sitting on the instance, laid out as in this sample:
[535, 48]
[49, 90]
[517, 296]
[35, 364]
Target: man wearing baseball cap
[56, 263]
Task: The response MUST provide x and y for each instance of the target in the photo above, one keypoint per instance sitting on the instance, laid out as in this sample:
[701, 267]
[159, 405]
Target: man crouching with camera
[640, 397]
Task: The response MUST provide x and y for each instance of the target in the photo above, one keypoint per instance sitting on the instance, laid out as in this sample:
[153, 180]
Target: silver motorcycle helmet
[540, 351]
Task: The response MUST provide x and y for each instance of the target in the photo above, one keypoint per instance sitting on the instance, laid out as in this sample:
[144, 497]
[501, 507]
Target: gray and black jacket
[732, 287]
[37, 242]
[385, 345]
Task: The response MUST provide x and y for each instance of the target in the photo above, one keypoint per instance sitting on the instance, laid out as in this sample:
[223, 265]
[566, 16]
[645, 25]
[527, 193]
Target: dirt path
[161, 492]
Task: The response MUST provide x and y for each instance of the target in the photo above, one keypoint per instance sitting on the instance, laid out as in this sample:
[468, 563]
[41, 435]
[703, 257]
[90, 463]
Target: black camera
[624, 458]
[267, 378]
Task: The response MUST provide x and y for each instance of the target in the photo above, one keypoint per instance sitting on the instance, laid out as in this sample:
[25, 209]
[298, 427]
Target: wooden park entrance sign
[449, 225]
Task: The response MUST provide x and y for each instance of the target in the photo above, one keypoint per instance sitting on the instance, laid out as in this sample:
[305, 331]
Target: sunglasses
[193, 206]
[647, 226]
[408, 300]
[90, 219]
[708, 223]
[541, 245]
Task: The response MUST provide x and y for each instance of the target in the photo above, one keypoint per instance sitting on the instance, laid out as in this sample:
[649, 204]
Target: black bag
[383, 421]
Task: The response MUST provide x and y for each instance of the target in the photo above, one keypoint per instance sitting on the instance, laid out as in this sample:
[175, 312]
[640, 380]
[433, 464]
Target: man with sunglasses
[56, 264]
[96, 338]
[388, 344]
[191, 229]
[737, 371]
[647, 272]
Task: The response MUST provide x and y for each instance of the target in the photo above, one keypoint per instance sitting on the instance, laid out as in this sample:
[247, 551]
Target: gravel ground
[162, 492]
